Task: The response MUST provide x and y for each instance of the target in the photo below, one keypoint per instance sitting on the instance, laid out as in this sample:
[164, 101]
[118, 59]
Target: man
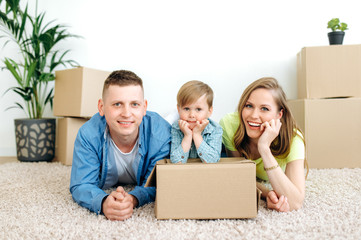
[118, 146]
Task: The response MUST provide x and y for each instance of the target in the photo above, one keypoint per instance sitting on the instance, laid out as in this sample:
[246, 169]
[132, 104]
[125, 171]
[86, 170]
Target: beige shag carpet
[35, 203]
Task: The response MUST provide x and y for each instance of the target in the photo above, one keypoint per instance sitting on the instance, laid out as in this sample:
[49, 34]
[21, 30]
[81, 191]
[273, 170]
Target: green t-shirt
[230, 123]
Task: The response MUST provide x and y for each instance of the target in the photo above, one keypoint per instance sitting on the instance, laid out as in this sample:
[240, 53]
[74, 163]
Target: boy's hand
[198, 129]
[184, 127]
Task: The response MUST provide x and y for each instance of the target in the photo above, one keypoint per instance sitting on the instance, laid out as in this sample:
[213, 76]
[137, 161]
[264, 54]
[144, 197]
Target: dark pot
[336, 38]
[35, 139]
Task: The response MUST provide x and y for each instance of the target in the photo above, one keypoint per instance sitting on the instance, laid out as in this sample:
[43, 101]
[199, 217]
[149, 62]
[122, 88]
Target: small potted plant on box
[33, 68]
[338, 31]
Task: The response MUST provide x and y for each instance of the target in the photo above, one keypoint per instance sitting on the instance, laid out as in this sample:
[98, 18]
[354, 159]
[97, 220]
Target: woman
[265, 131]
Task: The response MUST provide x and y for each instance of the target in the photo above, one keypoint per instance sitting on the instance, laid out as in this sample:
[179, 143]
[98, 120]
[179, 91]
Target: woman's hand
[279, 204]
[270, 131]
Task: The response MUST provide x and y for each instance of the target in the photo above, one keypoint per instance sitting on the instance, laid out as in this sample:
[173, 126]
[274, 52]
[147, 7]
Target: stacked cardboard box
[328, 108]
[76, 96]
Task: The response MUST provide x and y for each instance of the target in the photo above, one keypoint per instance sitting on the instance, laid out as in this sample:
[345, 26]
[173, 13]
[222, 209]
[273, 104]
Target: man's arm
[85, 173]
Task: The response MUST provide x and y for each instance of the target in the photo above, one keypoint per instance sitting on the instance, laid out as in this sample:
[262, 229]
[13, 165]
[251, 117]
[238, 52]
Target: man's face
[123, 108]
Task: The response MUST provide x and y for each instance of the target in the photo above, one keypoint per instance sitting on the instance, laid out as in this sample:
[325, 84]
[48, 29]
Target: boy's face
[196, 111]
[123, 108]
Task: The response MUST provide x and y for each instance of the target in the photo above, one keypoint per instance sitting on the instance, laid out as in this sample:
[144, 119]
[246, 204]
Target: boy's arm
[177, 154]
[210, 149]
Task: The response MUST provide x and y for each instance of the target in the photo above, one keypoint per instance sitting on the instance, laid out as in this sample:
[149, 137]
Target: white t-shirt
[122, 167]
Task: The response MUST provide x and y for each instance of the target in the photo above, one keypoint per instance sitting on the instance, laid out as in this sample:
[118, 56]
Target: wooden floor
[7, 159]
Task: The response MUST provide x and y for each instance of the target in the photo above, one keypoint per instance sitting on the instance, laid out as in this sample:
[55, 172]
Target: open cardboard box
[197, 190]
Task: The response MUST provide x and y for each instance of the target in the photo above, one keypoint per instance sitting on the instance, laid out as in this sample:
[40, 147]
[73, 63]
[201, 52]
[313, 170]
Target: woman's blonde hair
[282, 144]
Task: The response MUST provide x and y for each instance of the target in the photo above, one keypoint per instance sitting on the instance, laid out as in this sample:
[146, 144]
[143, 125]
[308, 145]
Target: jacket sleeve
[210, 149]
[158, 149]
[177, 154]
[85, 175]
[147, 194]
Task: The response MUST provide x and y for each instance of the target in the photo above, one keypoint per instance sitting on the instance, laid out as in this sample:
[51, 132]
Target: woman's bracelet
[270, 168]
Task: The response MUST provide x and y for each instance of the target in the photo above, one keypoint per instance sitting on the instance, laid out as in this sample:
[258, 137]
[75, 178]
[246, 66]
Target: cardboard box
[332, 131]
[196, 190]
[329, 71]
[77, 92]
[67, 131]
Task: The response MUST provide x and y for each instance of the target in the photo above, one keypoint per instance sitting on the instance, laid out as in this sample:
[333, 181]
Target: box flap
[259, 194]
[151, 181]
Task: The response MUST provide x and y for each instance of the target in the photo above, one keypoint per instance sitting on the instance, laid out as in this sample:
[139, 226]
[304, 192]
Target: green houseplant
[338, 31]
[33, 67]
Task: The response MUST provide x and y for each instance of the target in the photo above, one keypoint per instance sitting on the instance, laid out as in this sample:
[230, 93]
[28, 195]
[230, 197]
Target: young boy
[194, 135]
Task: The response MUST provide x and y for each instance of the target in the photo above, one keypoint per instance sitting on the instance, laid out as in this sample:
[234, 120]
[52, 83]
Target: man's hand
[279, 204]
[119, 205]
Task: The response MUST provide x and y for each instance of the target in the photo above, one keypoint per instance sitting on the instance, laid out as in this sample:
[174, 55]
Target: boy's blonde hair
[191, 91]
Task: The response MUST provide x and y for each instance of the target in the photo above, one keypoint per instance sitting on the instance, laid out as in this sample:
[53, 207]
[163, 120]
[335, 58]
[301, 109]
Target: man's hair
[191, 91]
[122, 78]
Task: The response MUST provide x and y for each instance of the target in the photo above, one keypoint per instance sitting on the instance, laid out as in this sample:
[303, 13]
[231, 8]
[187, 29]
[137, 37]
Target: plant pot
[35, 139]
[336, 38]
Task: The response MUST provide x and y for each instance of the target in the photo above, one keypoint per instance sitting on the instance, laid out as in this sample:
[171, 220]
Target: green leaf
[36, 41]
[12, 66]
[343, 26]
[49, 98]
[23, 23]
[333, 24]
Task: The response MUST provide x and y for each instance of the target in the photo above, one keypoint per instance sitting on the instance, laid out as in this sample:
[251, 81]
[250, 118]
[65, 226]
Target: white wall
[227, 44]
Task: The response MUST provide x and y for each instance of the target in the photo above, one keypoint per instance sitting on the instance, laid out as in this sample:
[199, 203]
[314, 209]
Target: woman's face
[259, 108]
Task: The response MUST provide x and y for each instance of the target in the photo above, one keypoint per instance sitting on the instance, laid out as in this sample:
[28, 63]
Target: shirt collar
[139, 140]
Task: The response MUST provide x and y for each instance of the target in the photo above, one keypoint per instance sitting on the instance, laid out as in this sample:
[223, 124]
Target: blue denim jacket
[209, 151]
[90, 165]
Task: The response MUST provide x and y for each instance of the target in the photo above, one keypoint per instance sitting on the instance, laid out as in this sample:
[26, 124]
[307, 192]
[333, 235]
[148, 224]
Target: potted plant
[338, 31]
[33, 68]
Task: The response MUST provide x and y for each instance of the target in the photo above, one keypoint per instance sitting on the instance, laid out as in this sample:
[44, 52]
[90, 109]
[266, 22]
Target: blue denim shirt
[90, 160]
[209, 151]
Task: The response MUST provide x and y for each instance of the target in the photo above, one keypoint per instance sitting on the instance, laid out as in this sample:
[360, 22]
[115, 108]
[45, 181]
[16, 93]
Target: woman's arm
[290, 184]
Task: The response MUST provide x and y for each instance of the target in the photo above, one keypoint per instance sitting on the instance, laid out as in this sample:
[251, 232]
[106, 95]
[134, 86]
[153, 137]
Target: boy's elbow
[210, 159]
